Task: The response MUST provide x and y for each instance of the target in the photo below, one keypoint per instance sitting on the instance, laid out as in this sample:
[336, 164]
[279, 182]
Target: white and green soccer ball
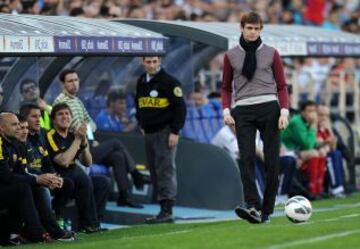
[298, 209]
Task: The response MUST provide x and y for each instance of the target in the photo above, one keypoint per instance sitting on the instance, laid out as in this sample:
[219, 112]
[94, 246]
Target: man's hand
[173, 140]
[81, 130]
[41, 103]
[50, 180]
[57, 181]
[283, 122]
[43, 179]
[228, 120]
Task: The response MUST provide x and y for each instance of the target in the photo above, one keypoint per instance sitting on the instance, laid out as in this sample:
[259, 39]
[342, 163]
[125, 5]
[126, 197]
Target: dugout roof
[290, 40]
[22, 35]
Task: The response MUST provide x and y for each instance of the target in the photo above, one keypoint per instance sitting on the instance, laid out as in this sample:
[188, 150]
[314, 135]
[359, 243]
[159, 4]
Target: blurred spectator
[334, 165]
[300, 137]
[313, 74]
[92, 8]
[332, 21]
[314, 11]
[310, 12]
[30, 93]
[197, 98]
[115, 117]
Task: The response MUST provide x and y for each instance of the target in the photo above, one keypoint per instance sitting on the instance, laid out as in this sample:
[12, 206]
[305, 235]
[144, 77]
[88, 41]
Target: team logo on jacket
[41, 149]
[178, 92]
[154, 93]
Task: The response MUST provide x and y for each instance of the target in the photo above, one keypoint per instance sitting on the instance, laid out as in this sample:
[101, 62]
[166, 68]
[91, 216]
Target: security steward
[161, 112]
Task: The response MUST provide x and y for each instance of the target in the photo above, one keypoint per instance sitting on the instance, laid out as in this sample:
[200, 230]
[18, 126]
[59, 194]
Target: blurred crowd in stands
[332, 14]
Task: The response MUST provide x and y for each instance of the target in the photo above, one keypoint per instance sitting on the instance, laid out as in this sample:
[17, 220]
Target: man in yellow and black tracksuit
[161, 112]
[17, 184]
[38, 158]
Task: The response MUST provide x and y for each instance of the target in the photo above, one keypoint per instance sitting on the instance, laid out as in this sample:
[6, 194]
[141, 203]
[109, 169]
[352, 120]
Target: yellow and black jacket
[160, 103]
[37, 154]
[57, 144]
[13, 163]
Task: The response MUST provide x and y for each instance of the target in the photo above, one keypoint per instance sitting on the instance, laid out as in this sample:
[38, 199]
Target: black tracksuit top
[160, 103]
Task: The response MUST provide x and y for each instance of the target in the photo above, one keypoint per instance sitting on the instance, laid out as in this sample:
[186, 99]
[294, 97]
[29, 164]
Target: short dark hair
[113, 96]
[213, 95]
[144, 57]
[251, 18]
[25, 82]
[58, 107]
[64, 73]
[307, 103]
[21, 118]
[26, 108]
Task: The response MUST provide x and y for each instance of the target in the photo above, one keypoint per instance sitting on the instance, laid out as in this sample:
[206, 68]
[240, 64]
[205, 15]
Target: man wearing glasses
[30, 94]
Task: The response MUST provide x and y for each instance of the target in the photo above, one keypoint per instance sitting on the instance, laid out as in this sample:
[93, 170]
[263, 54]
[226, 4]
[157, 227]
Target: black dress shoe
[249, 214]
[162, 217]
[128, 203]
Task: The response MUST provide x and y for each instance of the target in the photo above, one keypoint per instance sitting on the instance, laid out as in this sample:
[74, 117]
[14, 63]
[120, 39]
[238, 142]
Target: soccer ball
[298, 209]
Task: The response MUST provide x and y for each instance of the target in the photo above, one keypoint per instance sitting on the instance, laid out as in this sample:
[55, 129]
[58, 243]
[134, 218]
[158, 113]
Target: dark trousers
[47, 216]
[62, 196]
[263, 117]
[335, 170]
[83, 194]
[102, 188]
[161, 160]
[112, 153]
[287, 171]
[19, 199]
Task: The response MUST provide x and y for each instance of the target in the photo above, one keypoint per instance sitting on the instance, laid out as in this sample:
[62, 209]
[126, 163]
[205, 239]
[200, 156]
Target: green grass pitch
[334, 224]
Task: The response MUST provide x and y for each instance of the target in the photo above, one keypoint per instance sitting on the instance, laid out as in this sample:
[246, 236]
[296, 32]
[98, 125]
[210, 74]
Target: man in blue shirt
[115, 117]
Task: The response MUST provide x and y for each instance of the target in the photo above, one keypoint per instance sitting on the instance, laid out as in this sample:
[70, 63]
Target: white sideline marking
[341, 217]
[350, 215]
[314, 239]
[321, 221]
[155, 235]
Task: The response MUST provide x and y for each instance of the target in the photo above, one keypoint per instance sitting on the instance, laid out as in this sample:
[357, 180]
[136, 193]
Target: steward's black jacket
[160, 103]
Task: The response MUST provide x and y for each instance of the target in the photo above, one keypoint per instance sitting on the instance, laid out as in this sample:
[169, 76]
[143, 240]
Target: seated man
[64, 148]
[115, 118]
[30, 93]
[111, 153]
[33, 139]
[15, 156]
[334, 164]
[300, 137]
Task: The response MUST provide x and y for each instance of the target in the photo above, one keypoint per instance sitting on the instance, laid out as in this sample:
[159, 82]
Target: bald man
[16, 194]
[13, 170]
